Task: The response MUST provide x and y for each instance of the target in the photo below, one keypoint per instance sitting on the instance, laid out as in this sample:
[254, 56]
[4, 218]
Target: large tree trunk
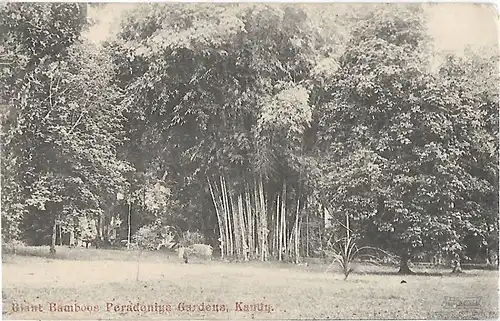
[403, 265]
[54, 235]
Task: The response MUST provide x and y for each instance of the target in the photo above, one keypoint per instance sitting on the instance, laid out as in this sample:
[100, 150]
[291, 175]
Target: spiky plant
[345, 251]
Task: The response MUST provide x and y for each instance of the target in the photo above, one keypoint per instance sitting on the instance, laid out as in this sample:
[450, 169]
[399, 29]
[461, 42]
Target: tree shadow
[414, 273]
[445, 273]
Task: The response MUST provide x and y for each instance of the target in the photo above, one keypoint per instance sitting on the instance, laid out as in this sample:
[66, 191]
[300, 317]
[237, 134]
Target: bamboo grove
[247, 231]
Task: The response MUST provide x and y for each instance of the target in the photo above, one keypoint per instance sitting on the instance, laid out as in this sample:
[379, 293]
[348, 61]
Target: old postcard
[178, 161]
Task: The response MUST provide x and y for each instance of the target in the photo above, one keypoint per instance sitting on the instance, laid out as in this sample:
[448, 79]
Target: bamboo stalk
[296, 247]
[219, 220]
[232, 219]
[289, 242]
[236, 228]
[262, 219]
[277, 252]
[257, 219]
[129, 229]
[300, 249]
[265, 229]
[347, 230]
[223, 217]
[250, 234]
[283, 222]
[307, 234]
[229, 219]
[244, 246]
[226, 216]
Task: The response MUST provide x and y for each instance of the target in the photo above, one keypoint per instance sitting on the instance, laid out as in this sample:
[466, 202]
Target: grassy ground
[106, 279]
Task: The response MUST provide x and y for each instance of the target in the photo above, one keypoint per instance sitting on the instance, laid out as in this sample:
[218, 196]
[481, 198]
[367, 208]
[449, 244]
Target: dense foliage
[254, 126]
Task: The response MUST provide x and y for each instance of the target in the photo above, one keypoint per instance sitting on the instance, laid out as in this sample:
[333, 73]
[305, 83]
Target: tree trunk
[307, 234]
[321, 229]
[72, 237]
[52, 249]
[488, 256]
[129, 225]
[60, 236]
[138, 263]
[457, 267]
[100, 225]
[403, 265]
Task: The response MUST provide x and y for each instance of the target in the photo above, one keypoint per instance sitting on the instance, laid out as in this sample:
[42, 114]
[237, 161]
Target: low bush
[12, 246]
[202, 251]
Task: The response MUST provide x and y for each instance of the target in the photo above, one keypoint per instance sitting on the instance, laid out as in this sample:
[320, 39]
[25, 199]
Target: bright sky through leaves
[452, 25]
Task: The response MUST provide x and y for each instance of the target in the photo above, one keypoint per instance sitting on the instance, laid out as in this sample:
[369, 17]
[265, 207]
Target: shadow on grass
[65, 253]
[444, 273]
[416, 273]
[31, 252]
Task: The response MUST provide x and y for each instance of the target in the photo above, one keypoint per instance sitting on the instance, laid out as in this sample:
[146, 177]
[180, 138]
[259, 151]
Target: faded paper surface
[148, 245]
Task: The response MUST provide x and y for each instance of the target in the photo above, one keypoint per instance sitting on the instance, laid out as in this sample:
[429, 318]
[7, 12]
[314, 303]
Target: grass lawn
[105, 282]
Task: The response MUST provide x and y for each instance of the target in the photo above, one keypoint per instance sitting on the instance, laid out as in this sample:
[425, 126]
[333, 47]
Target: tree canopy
[246, 123]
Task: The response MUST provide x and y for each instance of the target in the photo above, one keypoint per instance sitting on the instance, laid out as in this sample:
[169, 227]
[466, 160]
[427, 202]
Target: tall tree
[469, 88]
[394, 151]
[64, 125]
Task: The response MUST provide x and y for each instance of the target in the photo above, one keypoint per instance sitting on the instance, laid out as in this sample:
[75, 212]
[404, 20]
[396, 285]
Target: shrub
[203, 251]
[12, 246]
[154, 236]
[189, 238]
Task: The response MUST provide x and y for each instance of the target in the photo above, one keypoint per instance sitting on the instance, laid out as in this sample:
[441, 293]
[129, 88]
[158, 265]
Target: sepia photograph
[235, 161]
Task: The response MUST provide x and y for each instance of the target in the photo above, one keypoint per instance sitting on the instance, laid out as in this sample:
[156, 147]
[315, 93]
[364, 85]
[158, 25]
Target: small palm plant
[345, 251]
